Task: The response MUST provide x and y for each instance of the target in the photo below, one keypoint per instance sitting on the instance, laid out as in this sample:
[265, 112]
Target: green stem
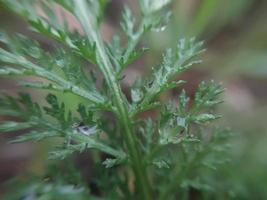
[105, 66]
[40, 71]
[132, 43]
[91, 143]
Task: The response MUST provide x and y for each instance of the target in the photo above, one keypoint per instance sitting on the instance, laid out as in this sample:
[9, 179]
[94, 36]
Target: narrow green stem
[44, 73]
[142, 182]
[132, 43]
[100, 146]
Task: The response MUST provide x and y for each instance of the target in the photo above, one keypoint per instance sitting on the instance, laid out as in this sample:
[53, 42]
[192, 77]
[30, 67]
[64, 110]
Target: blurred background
[235, 34]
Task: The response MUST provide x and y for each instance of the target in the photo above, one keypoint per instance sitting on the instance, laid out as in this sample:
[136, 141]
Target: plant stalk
[142, 182]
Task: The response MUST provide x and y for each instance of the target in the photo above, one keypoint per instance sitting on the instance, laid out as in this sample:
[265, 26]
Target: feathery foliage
[165, 156]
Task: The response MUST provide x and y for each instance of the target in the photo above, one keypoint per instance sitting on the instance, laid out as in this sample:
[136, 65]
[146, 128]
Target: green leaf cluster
[164, 156]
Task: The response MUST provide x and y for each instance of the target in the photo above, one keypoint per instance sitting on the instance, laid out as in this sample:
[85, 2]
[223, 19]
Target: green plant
[163, 157]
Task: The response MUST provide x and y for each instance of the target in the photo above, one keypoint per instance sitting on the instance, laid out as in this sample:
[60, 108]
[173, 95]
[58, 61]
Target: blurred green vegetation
[235, 33]
[236, 39]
